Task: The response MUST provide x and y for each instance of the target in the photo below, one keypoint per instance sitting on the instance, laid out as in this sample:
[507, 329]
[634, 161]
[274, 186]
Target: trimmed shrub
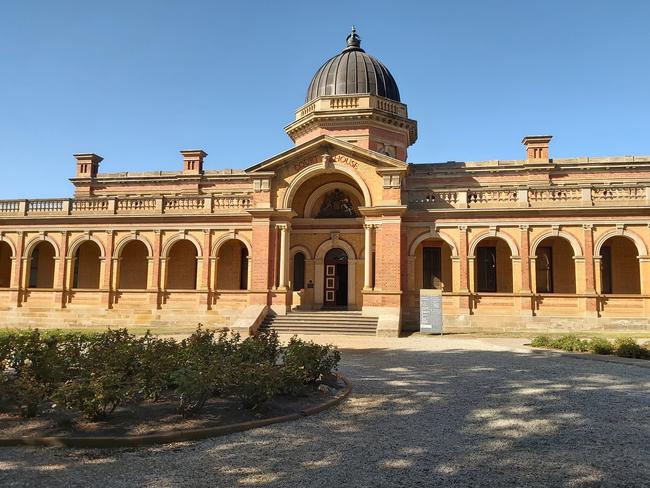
[105, 378]
[541, 341]
[157, 362]
[254, 384]
[22, 390]
[202, 368]
[627, 347]
[570, 343]
[313, 360]
[600, 345]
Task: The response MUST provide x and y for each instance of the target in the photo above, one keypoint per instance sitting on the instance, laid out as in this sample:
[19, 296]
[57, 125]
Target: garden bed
[623, 347]
[149, 418]
[116, 385]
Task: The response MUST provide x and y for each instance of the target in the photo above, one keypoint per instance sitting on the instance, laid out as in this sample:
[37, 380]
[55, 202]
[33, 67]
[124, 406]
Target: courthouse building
[340, 222]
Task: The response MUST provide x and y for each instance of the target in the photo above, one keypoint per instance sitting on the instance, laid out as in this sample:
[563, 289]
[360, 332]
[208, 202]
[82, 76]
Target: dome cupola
[354, 98]
[353, 72]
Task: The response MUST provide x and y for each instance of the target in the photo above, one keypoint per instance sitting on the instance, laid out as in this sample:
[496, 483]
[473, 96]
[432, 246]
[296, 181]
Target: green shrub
[157, 362]
[201, 369]
[105, 378]
[627, 347]
[541, 341]
[255, 383]
[22, 390]
[600, 345]
[570, 343]
[263, 347]
[314, 360]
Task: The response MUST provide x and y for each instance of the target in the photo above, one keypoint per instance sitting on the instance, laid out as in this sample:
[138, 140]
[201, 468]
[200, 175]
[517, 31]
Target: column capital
[282, 227]
[524, 227]
[587, 226]
[462, 228]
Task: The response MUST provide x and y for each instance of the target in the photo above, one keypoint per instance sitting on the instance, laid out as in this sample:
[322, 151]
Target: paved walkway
[426, 411]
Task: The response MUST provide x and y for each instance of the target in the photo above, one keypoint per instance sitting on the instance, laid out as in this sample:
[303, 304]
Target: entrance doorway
[336, 279]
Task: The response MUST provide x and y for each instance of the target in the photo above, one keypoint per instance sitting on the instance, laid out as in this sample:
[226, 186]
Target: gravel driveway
[425, 411]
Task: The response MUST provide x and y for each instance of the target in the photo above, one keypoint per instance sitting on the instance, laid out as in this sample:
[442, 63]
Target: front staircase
[321, 322]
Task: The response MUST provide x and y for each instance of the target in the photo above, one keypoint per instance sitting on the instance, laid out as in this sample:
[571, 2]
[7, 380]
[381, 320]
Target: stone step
[333, 322]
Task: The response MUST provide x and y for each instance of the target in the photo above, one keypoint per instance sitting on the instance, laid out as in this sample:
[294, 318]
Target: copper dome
[353, 72]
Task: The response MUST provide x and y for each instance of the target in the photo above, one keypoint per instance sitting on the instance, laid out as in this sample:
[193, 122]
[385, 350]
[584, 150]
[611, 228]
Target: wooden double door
[336, 279]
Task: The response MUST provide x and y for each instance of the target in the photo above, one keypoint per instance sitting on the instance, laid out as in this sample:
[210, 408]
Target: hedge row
[96, 373]
[622, 347]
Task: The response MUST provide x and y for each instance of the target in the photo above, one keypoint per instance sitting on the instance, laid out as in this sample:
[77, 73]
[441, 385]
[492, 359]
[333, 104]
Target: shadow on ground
[457, 417]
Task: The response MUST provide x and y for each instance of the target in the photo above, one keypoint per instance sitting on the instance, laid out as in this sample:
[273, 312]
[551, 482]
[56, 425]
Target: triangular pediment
[331, 146]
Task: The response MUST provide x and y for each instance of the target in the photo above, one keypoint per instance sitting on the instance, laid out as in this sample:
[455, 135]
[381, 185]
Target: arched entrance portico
[336, 279]
[340, 256]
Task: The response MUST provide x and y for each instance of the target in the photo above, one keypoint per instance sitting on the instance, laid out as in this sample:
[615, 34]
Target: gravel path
[425, 411]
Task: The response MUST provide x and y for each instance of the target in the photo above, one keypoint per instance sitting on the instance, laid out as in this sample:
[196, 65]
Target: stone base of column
[106, 299]
[526, 304]
[154, 299]
[464, 303]
[281, 301]
[591, 307]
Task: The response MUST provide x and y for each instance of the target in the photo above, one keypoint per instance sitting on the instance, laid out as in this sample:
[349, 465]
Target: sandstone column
[591, 305]
[367, 264]
[282, 280]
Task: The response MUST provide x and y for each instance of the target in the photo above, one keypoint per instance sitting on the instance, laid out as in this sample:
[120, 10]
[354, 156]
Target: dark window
[374, 269]
[486, 268]
[431, 268]
[544, 270]
[243, 270]
[33, 271]
[299, 271]
[75, 277]
[606, 267]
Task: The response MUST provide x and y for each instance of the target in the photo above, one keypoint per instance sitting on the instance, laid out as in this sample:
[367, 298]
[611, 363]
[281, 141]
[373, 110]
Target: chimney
[87, 165]
[193, 161]
[537, 148]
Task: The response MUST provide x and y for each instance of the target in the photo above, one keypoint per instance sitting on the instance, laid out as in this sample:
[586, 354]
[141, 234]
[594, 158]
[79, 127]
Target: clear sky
[136, 81]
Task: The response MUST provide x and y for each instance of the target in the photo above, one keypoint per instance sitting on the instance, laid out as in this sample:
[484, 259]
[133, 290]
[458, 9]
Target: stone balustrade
[589, 196]
[127, 206]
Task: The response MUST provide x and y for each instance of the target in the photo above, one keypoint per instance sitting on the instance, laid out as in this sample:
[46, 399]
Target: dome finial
[353, 40]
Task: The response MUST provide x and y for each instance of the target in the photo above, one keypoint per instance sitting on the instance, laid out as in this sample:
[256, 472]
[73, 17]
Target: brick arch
[10, 243]
[325, 168]
[300, 248]
[575, 244]
[120, 246]
[76, 244]
[633, 236]
[319, 192]
[181, 237]
[514, 250]
[331, 244]
[434, 235]
[227, 237]
[29, 247]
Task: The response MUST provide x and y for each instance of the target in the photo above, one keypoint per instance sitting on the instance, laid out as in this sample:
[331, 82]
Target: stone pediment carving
[337, 204]
[339, 152]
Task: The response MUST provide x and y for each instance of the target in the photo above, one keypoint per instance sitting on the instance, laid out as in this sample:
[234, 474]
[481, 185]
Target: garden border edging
[171, 437]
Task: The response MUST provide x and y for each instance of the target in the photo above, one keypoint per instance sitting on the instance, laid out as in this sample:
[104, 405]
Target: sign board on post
[431, 311]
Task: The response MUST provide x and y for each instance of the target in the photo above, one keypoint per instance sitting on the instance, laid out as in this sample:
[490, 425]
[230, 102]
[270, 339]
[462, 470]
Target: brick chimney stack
[193, 161]
[537, 148]
[87, 165]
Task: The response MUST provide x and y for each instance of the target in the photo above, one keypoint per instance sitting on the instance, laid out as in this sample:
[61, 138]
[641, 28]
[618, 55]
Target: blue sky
[136, 81]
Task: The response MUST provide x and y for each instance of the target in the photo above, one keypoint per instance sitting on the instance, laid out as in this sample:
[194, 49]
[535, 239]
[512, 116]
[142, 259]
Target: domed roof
[353, 72]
